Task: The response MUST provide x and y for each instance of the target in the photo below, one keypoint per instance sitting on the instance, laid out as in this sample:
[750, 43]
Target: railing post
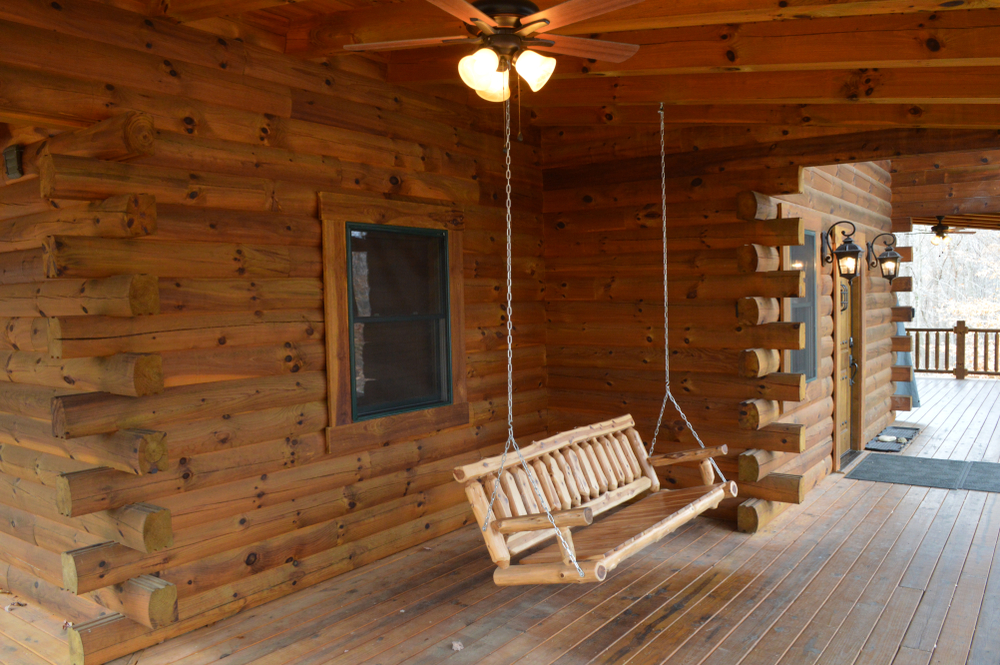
[961, 330]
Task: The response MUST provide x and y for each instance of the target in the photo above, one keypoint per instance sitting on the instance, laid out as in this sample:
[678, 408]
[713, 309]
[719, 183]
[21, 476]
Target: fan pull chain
[667, 395]
[511, 441]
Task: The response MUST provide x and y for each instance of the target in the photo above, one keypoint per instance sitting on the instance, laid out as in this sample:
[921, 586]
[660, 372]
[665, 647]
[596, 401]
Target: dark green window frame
[443, 318]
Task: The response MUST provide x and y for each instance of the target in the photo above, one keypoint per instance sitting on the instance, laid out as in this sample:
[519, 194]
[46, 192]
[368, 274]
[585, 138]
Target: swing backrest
[598, 466]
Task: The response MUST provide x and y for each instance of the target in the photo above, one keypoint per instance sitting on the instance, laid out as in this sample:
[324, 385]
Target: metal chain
[667, 395]
[511, 441]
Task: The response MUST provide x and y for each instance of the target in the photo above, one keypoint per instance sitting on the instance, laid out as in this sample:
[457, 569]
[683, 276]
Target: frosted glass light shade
[497, 90]
[535, 69]
[479, 69]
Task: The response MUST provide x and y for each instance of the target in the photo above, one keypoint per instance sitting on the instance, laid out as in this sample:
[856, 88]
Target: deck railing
[960, 350]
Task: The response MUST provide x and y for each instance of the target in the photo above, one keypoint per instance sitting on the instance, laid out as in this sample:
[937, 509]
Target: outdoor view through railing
[959, 350]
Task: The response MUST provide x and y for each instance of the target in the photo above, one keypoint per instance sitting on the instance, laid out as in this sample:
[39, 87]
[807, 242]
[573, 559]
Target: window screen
[804, 310]
[399, 319]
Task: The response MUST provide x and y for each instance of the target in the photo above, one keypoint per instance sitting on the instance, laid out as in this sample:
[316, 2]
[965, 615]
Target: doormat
[928, 472]
[882, 444]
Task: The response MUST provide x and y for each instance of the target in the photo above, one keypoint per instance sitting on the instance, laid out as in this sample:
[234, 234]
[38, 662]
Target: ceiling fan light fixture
[479, 70]
[535, 69]
[497, 90]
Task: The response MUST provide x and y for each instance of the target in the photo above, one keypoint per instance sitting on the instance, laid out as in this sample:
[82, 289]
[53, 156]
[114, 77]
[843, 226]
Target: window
[394, 319]
[804, 310]
[399, 319]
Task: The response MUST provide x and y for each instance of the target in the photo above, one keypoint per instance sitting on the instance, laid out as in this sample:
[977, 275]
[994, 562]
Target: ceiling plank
[955, 160]
[946, 207]
[413, 19]
[961, 85]
[194, 10]
[654, 14]
[957, 116]
[956, 39]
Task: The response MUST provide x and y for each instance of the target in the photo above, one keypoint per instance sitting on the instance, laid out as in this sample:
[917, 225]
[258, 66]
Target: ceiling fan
[512, 33]
[942, 232]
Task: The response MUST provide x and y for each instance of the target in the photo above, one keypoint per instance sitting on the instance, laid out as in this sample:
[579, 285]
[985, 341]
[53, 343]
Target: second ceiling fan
[513, 34]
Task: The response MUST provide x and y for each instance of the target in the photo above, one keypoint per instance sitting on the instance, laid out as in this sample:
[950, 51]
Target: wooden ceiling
[865, 63]
[797, 68]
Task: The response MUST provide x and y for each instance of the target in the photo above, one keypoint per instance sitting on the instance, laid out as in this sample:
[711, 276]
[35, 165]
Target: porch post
[960, 332]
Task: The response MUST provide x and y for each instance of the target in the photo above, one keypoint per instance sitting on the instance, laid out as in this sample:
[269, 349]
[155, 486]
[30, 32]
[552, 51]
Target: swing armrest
[695, 455]
[538, 522]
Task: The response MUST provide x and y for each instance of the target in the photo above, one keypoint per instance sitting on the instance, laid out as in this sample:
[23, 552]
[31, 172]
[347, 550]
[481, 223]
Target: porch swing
[567, 479]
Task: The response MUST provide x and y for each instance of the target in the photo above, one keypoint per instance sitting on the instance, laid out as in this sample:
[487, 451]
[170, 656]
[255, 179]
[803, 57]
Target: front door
[846, 366]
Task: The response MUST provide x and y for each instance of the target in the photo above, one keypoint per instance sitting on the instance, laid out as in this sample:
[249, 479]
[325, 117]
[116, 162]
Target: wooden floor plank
[741, 623]
[926, 626]
[959, 625]
[844, 578]
[907, 656]
[868, 584]
[882, 645]
[986, 641]
[801, 592]
[742, 566]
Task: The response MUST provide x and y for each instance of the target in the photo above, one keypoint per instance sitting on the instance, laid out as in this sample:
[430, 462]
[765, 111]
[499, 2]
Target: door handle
[854, 369]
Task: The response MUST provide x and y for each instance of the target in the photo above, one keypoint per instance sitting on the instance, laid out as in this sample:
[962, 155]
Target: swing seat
[582, 473]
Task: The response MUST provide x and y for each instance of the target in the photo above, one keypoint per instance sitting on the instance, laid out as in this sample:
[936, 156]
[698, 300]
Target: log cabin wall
[162, 447]
[604, 294]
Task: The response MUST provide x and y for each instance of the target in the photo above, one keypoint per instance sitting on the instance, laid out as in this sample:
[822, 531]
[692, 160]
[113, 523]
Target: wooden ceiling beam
[954, 160]
[194, 10]
[413, 19]
[946, 207]
[817, 151]
[954, 85]
[956, 116]
[955, 39]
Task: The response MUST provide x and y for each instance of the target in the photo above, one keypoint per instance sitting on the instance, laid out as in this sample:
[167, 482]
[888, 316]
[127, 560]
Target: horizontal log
[902, 285]
[903, 314]
[103, 257]
[132, 451]
[755, 311]
[757, 413]
[123, 295]
[94, 413]
[901, 403]
[773, 386]
[754, 514]
[787, 488]
[24, 333]
[123, 216]
[902, 344]
[179, 223]
[758, 258]
[22, 267]
[117, 138]
[147, 600]
[36, 467]
[85, 336]
[757, 363]
[121, 374]
[240, 295]
[65, 177]
[202, 366]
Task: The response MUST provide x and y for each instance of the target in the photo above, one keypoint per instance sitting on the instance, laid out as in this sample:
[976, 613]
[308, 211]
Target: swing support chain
[667, 394]
[511, 441]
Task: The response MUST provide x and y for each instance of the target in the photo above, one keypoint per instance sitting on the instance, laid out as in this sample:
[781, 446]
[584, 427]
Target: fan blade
[463, 11]
[410, 43]
[594, 49]
[574, 11]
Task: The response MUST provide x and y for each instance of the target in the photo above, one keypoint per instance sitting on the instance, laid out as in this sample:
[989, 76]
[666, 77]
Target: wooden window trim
[336, 212]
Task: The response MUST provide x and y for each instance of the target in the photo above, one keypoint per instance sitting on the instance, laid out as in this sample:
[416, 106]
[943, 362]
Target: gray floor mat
[927, 472]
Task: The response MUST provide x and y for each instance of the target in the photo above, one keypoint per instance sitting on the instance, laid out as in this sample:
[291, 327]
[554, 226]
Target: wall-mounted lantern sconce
[848, 255]
[889, 260]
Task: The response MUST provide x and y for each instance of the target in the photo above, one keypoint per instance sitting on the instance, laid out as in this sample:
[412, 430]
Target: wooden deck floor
[958, 420]
[862, 573]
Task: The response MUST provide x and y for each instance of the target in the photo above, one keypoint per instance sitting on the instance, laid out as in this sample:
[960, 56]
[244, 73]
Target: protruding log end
[756, 311]
[148, 600]
[757, 413]
[144, 294]
[730, 489]
[138, 134]
[143, 527]
[757, 258]
[752, 206]
[140, 214]
[147, 374]
[758, 363]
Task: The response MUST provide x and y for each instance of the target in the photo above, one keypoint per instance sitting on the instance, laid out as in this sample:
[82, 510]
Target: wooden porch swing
[563, 481]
